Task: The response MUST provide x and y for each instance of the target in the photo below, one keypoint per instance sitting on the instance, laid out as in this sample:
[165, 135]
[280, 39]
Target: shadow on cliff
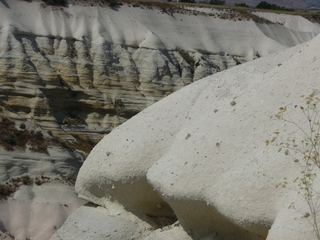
[5, 3]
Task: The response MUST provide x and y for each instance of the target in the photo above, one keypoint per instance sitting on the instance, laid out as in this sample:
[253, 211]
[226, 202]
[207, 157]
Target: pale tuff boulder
[97, 223]
[37, 211]
[5, 236]
[171, 232]
[202, 153]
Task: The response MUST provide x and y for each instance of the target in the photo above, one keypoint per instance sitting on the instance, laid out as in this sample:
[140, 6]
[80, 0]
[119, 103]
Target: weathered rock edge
[202, 151]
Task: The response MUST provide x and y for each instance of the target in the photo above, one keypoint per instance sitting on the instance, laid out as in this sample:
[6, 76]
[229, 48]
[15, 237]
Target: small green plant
[242, 5]
[304, 151]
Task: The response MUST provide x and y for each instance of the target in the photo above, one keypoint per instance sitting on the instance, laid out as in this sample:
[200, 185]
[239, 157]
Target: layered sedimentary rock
[69, 75]
[77, 72]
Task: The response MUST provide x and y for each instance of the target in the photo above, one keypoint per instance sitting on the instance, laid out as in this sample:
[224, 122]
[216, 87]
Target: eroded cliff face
[69, 75]
[81, 90]
[75, 73]
[63, 83]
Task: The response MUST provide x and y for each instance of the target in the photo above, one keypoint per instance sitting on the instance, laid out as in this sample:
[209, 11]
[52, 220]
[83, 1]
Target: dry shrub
[69, 180]
[12, 138]
[9, 187]
[73, 120]
[6, 190]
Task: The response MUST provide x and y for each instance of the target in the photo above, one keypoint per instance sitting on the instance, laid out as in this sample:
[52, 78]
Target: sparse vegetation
[6, 190]
[266, 5]
[55, 2]
[69, 180]
[73, 120]
[242, 5]
[187, 1]
[12, 138]
[175, 7]
[11, 186]
[26, 180]
[111, 3]
[63, 3]
[38, 142]
[217, 2]
[305, 152]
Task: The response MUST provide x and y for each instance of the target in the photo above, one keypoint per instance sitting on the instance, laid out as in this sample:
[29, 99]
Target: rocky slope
[296, 4]
[208, 157]
[68, 76]
[80, 71]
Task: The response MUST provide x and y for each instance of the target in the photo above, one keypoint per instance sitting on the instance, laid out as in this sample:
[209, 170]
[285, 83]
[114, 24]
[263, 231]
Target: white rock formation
[169, 233]
[202, 153]
[80, 71]
[100, 223]
[36, 212]
[71, 75]
[107, 64]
